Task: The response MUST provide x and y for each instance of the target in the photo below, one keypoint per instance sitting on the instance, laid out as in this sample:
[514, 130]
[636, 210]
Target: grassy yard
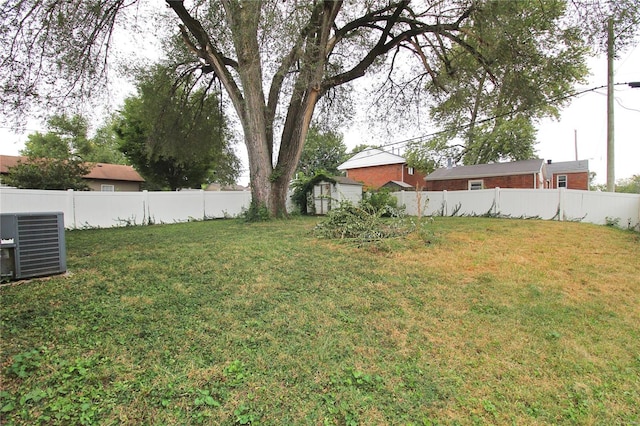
[494, 321]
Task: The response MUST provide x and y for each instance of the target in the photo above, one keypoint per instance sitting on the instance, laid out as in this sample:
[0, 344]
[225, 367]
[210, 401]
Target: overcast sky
[585, 118]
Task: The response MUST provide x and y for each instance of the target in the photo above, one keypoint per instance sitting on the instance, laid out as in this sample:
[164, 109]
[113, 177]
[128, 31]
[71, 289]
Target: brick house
[101, 177]
[568, 174]
[517, 174]
[375, 168]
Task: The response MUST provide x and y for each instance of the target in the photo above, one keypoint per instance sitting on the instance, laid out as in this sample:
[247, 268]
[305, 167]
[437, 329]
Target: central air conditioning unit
[32, 245]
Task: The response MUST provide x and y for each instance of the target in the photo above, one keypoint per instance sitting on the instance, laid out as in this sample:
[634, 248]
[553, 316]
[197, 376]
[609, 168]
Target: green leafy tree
[48, 173]
[175, 135]
[359, 148]
[630, 185]
[57, 159]
[105, 146]
[489, 112]
[66, 138]
[323, 151]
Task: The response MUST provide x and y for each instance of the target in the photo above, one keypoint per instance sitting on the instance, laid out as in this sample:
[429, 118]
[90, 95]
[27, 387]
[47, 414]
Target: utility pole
[611, 175]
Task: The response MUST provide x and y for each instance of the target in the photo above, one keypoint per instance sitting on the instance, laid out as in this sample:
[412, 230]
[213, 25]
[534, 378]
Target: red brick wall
[514, 181]
[416, 179]
[574, 180]
[447, 185]
[375, 177]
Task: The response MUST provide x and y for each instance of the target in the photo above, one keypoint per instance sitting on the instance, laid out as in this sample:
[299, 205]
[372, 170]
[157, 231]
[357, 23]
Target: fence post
[402, 201]
[71, 207]
[146, 212]
[561, 203]
[204, 210]
[496, 201]
[445, 208]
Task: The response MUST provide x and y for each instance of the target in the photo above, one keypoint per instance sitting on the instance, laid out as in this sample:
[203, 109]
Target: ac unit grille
[39, 247]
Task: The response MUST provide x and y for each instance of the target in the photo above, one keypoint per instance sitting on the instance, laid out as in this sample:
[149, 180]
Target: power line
[485, 120]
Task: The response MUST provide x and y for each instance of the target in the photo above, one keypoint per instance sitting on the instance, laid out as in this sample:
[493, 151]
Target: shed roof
[343, 180]
[488, 170]
[370, 158]
[399, 184]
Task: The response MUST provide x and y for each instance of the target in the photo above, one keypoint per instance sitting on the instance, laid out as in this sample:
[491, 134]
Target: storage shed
[331, 191]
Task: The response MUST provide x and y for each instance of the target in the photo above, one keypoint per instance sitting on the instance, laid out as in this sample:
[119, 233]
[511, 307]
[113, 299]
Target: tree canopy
[66, 138]
[174, 134]
[323, 151]
[488, 113]
[275, 60]
[48, 173]
[59, 158]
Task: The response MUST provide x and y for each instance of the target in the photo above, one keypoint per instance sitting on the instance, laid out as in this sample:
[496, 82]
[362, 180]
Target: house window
[107, 188]
[410, 170]
[476, 184]
[562, 181]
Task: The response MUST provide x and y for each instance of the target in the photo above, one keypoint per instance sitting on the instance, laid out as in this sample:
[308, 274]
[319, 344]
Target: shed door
[322, 198]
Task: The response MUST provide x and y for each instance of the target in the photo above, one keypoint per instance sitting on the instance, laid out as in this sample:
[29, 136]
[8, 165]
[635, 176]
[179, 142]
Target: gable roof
[568, 167]
[488, 170]
[103, 171]
[7, 161]
[343, 180]
[370, 158]
[100, 171]
[398, 183]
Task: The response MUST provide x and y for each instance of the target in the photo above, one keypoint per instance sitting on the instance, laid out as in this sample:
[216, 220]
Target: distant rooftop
[100, 171]
[370, 158]
[488, 170]
[568, 167]
[114, 172]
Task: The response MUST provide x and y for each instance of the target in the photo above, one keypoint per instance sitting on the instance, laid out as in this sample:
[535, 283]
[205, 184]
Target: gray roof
[343, 180]
[568, 167]
[488, 170]
[398, 183]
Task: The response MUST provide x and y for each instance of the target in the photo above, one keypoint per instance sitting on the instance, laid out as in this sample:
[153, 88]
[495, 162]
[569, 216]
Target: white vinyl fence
[89, 209]
[549, 204]
[108, 209]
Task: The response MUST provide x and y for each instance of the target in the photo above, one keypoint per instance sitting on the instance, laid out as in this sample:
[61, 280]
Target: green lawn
[222, 322]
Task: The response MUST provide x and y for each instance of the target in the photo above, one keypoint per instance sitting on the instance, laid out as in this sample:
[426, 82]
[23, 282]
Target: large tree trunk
[270, 184]
[303, 66]
[293, 139]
